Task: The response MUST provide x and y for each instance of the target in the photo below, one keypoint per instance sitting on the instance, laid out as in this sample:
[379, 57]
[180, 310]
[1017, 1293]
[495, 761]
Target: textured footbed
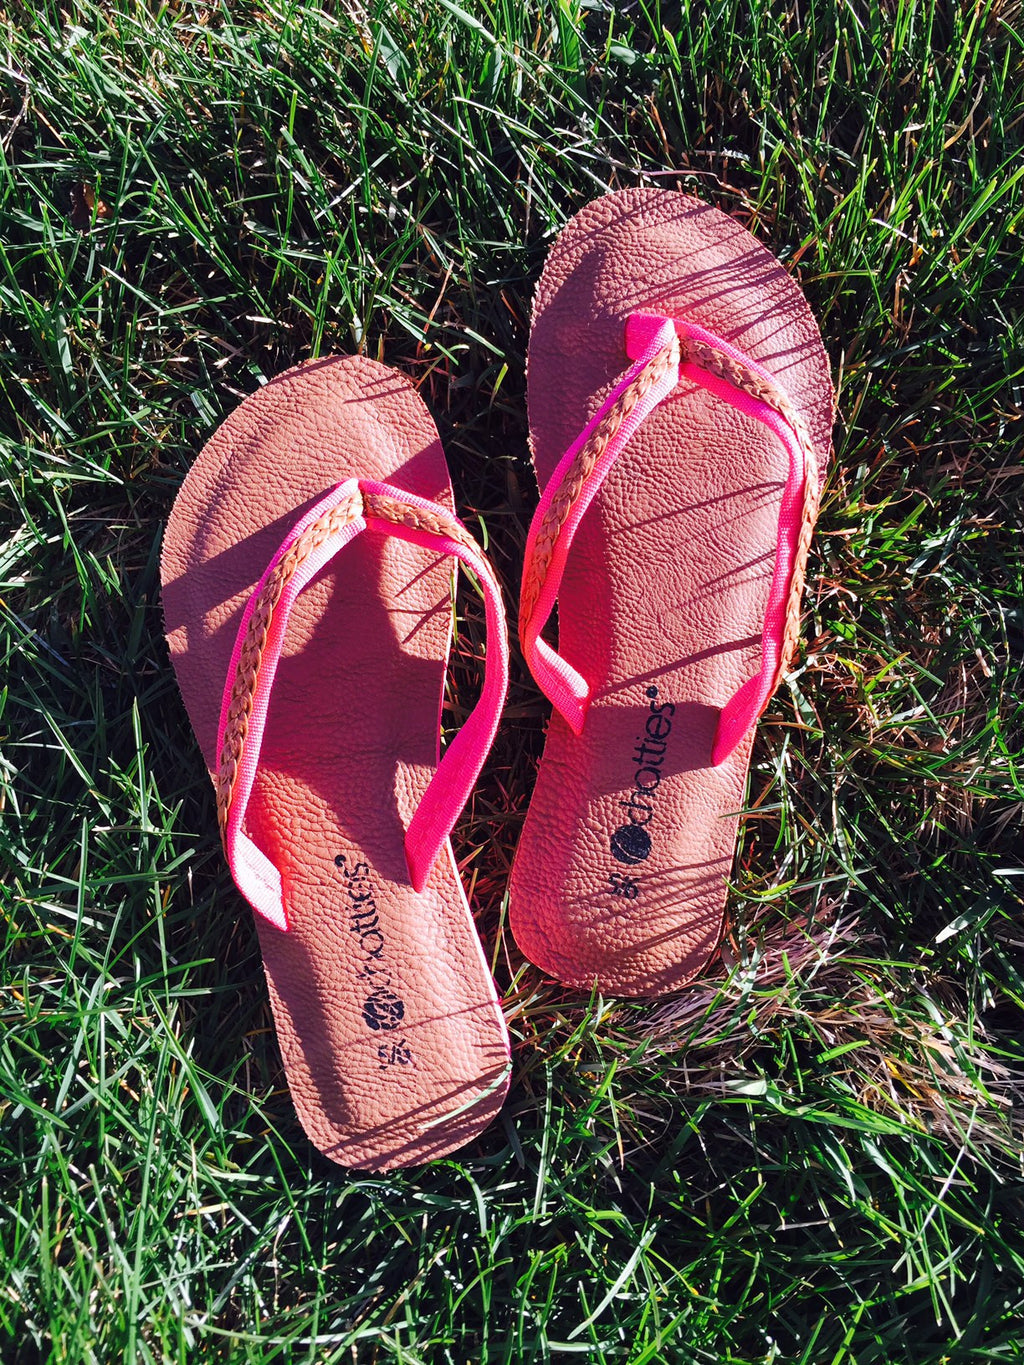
[393, 1041]
[662, 604]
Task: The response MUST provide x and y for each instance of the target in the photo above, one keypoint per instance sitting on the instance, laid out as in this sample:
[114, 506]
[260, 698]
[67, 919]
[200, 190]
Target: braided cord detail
[791, 629]
[580, 471]
[418, 519]
[250, 658]
[715, 362]
[247, 672]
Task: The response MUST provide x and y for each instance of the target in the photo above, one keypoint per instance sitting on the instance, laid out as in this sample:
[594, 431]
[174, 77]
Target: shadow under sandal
[307, 574]
[680, 412]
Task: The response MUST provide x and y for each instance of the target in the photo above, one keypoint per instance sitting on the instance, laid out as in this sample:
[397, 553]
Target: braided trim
[791, 629]
[712, 361]
[716, 362]
[236, 727]
[579, 472]
[418, 519]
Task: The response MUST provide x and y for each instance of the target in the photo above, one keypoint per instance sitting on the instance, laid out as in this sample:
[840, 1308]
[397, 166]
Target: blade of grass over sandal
[680, 412]
[307, 578]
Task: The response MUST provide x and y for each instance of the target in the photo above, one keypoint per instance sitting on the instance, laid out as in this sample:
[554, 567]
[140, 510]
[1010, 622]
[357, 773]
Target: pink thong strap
[321, 533]
[665, 350]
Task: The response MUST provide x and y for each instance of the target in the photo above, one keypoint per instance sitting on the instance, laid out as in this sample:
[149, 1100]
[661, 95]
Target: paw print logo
[383, 1009]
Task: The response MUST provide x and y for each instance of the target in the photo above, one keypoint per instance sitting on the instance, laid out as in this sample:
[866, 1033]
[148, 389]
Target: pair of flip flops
[680, 413]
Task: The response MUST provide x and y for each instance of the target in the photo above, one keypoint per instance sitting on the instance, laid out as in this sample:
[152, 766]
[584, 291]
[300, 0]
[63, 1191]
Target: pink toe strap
[336, 519]
[665, 350]
[563, 503]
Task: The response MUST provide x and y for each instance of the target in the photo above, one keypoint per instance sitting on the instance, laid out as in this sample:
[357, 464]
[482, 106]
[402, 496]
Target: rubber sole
[663, 599]
[392, 1037]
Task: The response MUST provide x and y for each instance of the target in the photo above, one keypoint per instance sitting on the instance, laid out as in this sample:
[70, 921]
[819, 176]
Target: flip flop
[680, 415]
[307, 579]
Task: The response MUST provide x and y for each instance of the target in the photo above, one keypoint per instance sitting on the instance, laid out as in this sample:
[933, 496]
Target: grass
[815, 1155]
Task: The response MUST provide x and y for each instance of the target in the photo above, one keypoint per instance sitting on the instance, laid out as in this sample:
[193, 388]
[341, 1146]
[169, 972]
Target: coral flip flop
[680, 415]
[307, 579]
